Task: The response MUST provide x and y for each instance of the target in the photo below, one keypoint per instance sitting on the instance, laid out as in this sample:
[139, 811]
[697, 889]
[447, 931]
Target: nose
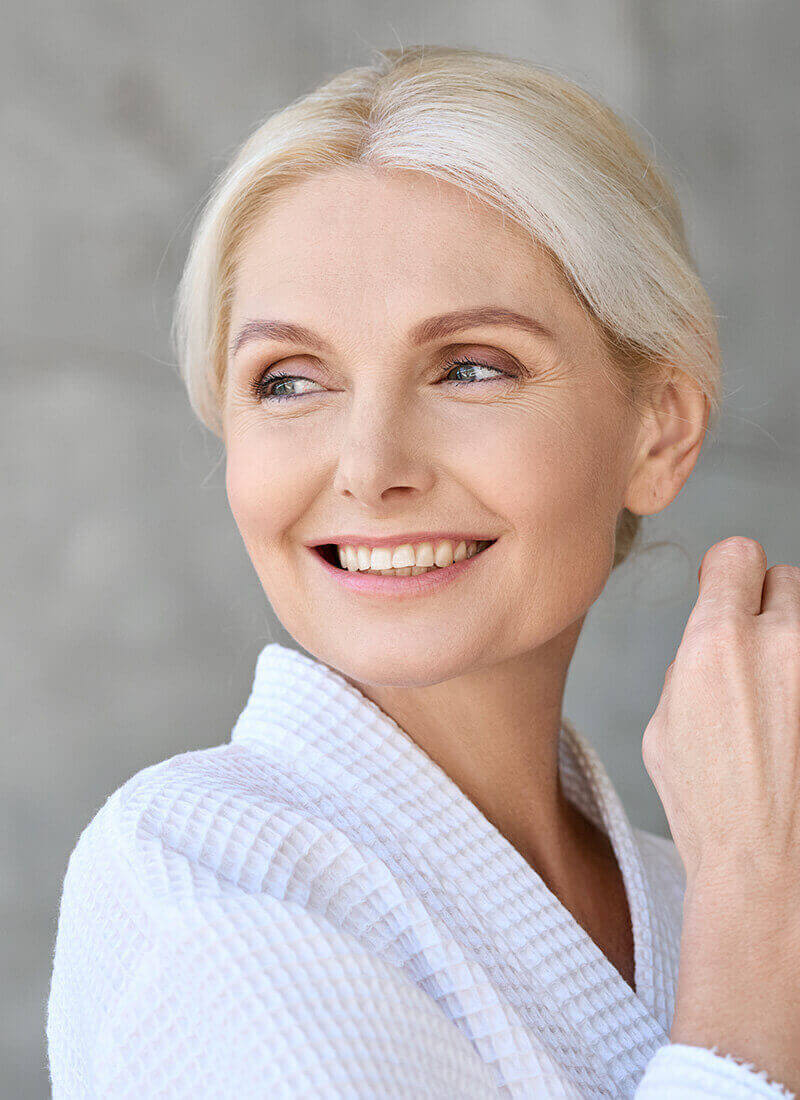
[382, 454]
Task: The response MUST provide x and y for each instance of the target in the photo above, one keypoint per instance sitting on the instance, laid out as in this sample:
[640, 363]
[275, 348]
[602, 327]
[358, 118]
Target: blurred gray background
[132, 615]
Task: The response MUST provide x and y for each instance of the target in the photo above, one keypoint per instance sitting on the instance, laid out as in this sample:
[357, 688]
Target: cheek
[554, 482]
[548, 473]
[265, 488]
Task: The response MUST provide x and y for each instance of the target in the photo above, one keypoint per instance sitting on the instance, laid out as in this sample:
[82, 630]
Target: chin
[385, 667]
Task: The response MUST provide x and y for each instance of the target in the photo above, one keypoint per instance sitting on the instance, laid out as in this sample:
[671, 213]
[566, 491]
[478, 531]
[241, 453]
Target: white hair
[534, 145]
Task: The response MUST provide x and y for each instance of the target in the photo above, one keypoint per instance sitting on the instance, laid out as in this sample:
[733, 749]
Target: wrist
[739, 974]
[760, 888]
[741, 926]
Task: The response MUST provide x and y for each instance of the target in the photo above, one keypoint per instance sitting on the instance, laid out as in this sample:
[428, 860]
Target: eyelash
[261, 383]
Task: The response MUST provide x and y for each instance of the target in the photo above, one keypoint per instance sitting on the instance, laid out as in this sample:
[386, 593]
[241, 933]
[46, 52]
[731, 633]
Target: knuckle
[789, 572]
[741, 546]
[732, 555]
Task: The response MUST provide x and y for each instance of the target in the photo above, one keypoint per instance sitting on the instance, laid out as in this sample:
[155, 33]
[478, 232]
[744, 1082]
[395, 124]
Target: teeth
[381, 558]
[407, 560]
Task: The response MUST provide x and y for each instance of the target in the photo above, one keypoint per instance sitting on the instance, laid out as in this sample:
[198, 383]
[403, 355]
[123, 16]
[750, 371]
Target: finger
[731, 577]
[781, 594]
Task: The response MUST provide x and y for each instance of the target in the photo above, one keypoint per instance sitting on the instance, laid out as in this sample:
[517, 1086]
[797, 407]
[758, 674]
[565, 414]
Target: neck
[495, 732]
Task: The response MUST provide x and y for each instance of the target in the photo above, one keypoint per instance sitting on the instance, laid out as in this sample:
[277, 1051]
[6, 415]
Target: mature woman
[443, 314]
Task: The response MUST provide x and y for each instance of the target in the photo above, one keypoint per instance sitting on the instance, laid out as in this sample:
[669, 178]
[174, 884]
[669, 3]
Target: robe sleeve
[680, 1071]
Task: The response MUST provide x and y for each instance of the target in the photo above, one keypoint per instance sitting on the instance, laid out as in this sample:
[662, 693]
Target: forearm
[739, 976]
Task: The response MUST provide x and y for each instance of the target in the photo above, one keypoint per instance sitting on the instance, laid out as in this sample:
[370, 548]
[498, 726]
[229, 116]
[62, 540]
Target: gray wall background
[132, 616]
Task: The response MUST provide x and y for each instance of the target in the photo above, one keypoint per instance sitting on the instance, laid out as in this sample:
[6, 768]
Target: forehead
[379, 227]
[382, 249]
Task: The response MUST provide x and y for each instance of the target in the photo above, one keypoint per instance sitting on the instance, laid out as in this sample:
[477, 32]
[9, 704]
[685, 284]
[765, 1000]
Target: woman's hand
[723, 746]
[723, 751]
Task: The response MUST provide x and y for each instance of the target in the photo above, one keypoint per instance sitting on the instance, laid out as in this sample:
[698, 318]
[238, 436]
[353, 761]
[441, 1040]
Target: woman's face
[534, 449]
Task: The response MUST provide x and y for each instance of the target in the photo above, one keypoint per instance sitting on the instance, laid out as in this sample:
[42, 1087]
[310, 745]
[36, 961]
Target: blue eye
[455, 363]
[262, 392]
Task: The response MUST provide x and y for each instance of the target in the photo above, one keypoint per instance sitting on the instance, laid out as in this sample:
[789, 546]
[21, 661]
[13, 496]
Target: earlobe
[648, 492]
[671, 439]
[642, 495]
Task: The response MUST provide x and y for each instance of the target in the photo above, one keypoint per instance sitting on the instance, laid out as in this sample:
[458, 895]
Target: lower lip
[376, 585]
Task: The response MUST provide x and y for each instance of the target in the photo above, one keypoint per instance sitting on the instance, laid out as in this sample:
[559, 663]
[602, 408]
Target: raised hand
[723, 746]
[723, 752]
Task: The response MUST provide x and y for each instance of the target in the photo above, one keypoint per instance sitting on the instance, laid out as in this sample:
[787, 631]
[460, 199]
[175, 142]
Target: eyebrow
[434, 328]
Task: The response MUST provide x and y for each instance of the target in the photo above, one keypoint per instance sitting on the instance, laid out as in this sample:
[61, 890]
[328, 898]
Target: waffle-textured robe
[315, 909]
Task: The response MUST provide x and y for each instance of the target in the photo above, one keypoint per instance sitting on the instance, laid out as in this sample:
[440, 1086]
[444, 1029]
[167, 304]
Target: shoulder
[204, 849]
[213, 920]
[224, 814]
[226, 811]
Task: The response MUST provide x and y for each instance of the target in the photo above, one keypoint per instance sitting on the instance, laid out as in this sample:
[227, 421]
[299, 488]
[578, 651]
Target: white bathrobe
[314, 909]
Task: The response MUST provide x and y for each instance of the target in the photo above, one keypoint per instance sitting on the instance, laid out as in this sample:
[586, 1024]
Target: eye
[262, 392]
[456, 364]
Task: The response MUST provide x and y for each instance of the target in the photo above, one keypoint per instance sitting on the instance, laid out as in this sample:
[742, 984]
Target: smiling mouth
[330, 553]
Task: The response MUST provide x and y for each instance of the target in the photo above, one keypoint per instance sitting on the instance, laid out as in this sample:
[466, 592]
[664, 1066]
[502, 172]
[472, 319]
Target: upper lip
[398, 540]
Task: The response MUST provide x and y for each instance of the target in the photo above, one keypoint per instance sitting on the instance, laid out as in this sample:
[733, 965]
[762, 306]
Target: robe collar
[350, 753]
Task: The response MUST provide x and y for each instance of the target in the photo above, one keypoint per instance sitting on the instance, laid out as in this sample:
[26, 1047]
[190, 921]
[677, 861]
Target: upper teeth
[419, 556]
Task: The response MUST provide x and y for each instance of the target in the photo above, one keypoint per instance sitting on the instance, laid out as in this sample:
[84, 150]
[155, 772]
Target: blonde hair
[536, 146]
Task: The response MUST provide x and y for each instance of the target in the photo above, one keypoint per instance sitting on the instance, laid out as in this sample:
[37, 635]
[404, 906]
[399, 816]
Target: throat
[612, 926]
[602, 908]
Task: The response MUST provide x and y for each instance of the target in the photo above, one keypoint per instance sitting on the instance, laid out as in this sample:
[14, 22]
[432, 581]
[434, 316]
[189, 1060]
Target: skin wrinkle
[474, 673]
[430, 329]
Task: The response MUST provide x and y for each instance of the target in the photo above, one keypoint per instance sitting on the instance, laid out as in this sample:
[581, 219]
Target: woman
[443, 314]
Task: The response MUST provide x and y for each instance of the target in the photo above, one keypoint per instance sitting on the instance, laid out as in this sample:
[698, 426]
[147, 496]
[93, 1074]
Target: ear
[670, 439]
